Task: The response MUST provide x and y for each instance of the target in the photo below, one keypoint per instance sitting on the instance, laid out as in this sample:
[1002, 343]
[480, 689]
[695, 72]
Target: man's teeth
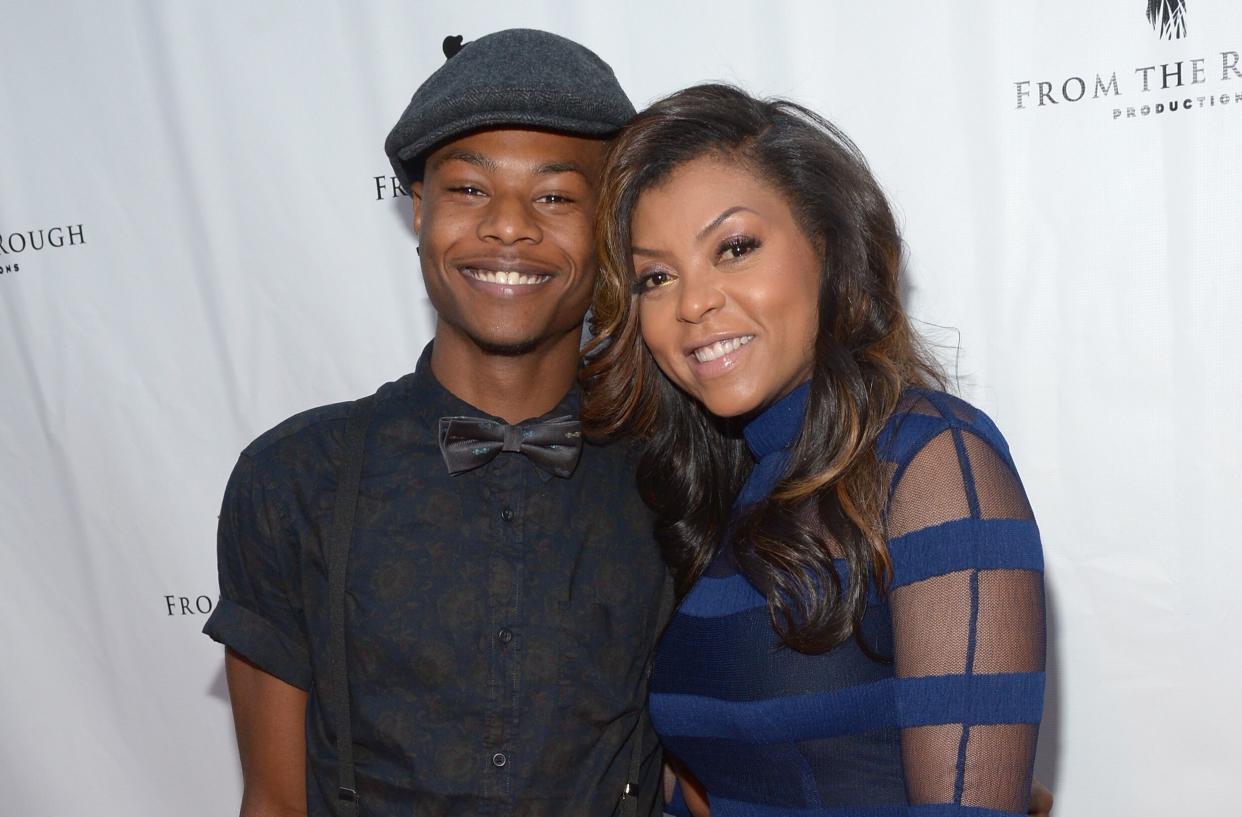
[721, 348]
[507, 277]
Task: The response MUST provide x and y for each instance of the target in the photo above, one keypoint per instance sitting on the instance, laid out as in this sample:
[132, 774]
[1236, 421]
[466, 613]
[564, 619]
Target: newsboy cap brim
[516, 78]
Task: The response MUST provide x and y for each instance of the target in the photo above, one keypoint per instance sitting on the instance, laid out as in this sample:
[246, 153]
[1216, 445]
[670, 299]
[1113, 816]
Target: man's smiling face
[504, 220]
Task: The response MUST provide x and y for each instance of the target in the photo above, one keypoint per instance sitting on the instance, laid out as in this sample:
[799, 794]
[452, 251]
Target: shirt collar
[432, 401]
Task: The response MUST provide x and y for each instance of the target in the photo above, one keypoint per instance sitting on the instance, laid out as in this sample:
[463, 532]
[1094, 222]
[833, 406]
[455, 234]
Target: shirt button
[499, 759]
[507, 514]
[505, 635]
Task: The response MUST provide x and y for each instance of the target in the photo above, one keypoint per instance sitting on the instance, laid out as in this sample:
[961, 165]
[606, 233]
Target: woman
[862, 622]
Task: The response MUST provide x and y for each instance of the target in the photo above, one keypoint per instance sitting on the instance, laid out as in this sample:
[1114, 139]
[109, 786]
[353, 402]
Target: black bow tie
[468, 442]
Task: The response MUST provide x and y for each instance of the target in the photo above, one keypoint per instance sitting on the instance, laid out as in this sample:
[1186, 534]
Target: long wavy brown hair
[830, 502]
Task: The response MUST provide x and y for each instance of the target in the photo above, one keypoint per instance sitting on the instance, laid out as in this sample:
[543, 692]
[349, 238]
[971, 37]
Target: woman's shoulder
[924, 415]
[948, 471]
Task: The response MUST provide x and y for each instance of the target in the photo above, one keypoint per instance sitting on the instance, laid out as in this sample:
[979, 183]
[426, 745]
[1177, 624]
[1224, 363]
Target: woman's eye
[737, 246]
[652, 280]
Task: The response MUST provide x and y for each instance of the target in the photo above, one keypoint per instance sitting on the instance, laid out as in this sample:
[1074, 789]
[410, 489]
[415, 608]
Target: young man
[499, 585]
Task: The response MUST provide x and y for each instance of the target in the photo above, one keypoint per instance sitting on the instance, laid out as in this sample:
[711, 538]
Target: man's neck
[512, 387]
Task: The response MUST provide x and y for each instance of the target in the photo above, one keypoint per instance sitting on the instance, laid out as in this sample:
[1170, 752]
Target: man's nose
[509, 219]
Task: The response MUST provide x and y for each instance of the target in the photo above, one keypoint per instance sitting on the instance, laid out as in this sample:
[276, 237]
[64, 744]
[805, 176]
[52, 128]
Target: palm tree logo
[1168, 18]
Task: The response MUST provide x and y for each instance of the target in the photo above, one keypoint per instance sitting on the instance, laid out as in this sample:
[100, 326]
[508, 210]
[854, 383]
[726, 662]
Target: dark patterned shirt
[499, 622]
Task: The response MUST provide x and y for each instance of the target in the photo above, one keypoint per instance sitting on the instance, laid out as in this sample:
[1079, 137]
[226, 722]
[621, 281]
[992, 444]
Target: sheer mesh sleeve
[968, 618]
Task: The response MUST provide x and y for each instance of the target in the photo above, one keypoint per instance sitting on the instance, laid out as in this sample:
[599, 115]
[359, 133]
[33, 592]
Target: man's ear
[416, 194]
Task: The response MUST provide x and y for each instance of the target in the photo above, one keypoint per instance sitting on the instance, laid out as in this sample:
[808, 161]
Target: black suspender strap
[629, 797]
[341, 535]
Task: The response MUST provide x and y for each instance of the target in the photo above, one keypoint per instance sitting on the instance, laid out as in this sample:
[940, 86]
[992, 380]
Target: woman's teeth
[706, 354]
[507, 277]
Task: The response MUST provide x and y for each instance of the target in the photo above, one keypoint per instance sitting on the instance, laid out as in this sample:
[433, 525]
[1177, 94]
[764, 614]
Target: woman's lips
[719, 357]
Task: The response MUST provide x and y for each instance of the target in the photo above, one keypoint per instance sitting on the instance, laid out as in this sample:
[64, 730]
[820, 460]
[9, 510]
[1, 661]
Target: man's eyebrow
[562, 167]
[470, 157]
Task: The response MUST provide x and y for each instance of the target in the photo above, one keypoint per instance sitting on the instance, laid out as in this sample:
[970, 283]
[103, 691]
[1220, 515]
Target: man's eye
[555, 198]
[738, 245]
[466, 190]
[652, 280]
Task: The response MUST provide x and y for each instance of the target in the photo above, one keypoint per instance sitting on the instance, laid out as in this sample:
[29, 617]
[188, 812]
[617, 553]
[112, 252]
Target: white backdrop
[227, 256]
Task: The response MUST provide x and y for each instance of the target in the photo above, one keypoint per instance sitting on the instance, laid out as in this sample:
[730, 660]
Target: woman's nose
[699, 296]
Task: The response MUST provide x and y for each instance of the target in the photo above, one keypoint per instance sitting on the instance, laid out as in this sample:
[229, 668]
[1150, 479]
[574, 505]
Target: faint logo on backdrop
[186, 606]
[1167, 18]
[1210, 80]
[388, 187]
[16, 247]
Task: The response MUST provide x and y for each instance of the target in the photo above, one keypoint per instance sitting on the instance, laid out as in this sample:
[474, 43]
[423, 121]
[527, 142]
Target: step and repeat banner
[200, 235]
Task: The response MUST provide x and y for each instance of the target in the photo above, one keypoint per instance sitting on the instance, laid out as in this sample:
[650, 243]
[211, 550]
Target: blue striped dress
[947, 726]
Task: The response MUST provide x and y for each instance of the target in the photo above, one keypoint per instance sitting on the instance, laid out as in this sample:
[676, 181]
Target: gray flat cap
[519, 77]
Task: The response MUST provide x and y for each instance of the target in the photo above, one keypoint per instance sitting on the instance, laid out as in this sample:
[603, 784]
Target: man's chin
[507, 347]
[510, 339]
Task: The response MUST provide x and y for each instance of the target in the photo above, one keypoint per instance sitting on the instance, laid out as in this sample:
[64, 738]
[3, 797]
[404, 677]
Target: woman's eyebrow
[718, 220]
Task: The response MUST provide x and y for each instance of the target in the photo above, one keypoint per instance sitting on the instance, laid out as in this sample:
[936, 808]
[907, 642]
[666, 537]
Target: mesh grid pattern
[966, 623]
[932, 750]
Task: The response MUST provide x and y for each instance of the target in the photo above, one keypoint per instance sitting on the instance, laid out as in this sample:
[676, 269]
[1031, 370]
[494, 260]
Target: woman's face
[728, 286]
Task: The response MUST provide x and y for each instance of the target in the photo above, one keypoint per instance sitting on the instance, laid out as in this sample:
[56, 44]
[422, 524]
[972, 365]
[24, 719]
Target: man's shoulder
[320, 429]
[300, 428]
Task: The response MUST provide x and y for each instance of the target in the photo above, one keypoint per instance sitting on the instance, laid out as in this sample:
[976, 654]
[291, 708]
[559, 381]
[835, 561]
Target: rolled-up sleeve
[258, 615]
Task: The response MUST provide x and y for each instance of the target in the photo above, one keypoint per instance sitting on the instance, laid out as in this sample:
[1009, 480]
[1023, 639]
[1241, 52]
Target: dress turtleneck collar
[776, 427]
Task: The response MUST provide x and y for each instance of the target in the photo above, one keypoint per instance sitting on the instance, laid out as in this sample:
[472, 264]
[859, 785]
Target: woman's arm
[968, 622]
